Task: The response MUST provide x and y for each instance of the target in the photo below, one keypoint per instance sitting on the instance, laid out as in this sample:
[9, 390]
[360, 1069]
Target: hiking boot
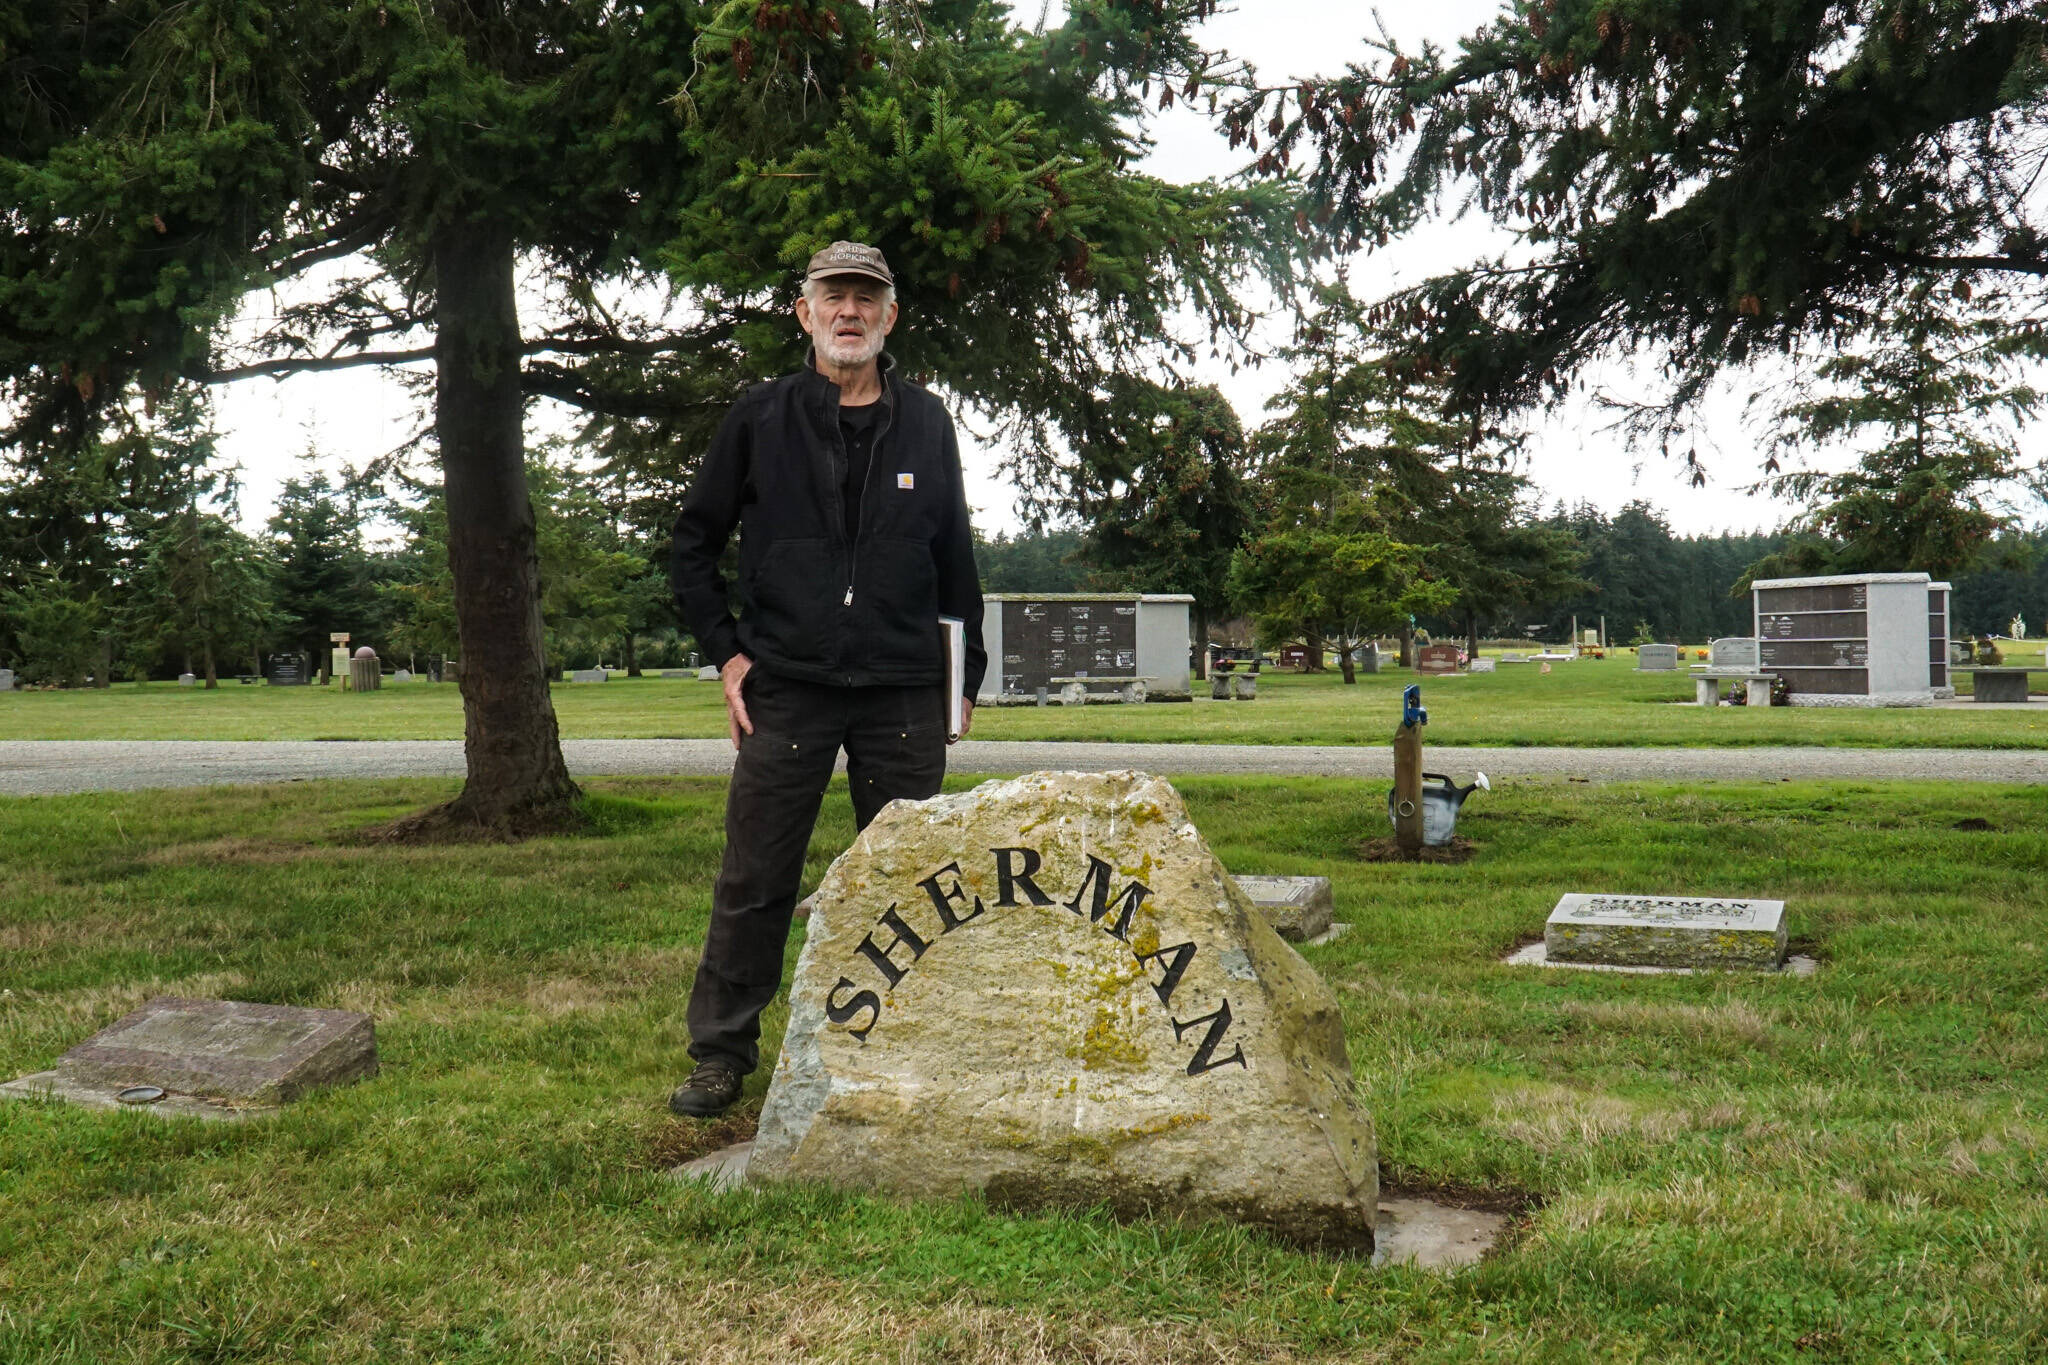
[711, 1090]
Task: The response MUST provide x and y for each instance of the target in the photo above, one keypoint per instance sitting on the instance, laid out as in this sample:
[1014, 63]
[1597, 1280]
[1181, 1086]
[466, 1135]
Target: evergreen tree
[55, 627]
[1163, 496]
[1712, 182]
[1032, 561]
[1940, 392]
[162, 158]
[326, 578]
[202, 594]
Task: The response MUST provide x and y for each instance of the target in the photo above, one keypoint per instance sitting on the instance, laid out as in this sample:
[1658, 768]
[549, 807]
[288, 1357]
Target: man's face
[846, 319]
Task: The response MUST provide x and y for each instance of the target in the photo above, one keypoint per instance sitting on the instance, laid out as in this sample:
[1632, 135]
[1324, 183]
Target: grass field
[1584, 703]
[1851, 1166]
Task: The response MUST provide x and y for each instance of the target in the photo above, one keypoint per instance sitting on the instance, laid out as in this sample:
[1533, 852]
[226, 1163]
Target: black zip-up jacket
[813, 606]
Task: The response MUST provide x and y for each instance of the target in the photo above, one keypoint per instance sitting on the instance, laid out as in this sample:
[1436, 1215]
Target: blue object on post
[1411, 706]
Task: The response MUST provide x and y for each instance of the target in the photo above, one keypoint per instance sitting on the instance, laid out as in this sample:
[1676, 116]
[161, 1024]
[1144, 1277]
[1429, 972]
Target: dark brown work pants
[895, 742]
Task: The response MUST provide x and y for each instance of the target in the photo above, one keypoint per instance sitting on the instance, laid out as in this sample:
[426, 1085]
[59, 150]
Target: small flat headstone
[589, 675]
[218, 1050]
[675, 673]
[1666, 931]
[1298, 908]
[1482, 666]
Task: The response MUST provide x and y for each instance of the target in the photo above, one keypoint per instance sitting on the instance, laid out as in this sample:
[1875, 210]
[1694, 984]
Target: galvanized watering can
[1441, 799]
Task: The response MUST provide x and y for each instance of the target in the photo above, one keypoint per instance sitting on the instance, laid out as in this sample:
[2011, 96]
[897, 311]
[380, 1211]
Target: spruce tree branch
[2024, 265]
[283, 367]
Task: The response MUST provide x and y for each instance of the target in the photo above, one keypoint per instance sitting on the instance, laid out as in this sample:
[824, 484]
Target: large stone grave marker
[1437, 659]
[1050, 990]
[1298, 908]
[1666, 931]
[215, 1051]
[1656, 658]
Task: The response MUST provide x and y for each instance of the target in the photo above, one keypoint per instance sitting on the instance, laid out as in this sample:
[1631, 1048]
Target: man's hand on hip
[737, 722]
[966, 720]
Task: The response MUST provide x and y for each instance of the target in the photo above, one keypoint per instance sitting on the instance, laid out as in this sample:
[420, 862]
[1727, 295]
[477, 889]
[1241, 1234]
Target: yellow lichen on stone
[1108, 1042]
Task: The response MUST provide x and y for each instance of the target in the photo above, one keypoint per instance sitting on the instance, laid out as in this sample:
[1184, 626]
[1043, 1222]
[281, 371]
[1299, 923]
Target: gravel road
[41, 767]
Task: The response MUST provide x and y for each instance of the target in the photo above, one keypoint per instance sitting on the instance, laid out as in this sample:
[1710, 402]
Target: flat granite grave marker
[213, 1050]
[1048, 989]
[1666, 931]
[1298, 908]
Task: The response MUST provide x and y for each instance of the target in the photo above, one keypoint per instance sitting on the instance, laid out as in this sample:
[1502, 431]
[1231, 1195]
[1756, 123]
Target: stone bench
[1233, 686]
[1078, 691]
[1707, 684]
[1999, 682]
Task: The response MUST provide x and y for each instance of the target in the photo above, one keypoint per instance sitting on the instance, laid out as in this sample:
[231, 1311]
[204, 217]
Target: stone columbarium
[1050, 990]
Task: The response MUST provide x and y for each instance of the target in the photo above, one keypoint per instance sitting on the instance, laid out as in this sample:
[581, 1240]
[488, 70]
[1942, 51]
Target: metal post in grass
[1408, 770]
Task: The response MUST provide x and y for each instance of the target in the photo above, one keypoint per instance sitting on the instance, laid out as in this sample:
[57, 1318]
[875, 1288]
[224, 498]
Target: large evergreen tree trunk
[1408, 644]
[1471, 635]
[632, 656]
[212, 675]
[517, 782]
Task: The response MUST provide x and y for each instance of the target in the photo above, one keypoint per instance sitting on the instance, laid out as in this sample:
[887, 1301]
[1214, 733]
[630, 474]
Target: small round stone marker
[141, 1094]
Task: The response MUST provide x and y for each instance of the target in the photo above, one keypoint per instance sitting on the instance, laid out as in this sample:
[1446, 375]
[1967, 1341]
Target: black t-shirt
[857, 429]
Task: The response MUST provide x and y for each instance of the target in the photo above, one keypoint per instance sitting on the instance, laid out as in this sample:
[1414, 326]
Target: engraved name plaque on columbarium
[1050, 990]
[1666, 931]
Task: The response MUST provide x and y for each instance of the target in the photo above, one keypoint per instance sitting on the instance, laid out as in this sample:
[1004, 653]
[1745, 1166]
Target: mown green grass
[1850, 1166]
[1584, 703]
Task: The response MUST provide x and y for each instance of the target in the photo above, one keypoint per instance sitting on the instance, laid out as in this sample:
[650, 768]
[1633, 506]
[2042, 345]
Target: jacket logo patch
[906, 480]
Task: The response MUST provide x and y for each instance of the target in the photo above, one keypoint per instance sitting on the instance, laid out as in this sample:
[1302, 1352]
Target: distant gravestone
[6, 680]
[1482, 666]
[1656, 658]
[1732, 651]
[285, 670]
[1369, 659]
[1298, 908]
[187, 680]
[675, 673]
[1437, 659]
[213, 1050]
[707, 674]
[1049, 990]
[589, 675]
[1666, 931]
[402, 675]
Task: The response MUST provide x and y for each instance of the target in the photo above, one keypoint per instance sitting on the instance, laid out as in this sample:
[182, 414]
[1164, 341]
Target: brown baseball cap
[850, 258]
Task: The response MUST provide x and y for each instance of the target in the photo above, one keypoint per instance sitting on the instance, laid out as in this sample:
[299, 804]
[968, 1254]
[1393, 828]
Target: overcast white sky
[354, 416]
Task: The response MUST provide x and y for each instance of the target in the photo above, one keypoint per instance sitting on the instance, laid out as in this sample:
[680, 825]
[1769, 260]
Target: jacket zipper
[866, 484]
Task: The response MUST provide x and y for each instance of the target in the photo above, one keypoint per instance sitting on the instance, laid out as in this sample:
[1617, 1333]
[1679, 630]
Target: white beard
[845, 353]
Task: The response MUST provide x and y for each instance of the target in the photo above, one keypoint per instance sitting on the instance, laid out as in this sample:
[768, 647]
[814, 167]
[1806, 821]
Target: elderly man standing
[844, 481]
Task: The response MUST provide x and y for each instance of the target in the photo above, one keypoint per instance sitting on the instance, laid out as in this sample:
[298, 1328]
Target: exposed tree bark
[1407, 644]
[632, 656]
[517, 782]
[1312, 641]
[1471, 635]
[1347, 648]
[212, 677]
